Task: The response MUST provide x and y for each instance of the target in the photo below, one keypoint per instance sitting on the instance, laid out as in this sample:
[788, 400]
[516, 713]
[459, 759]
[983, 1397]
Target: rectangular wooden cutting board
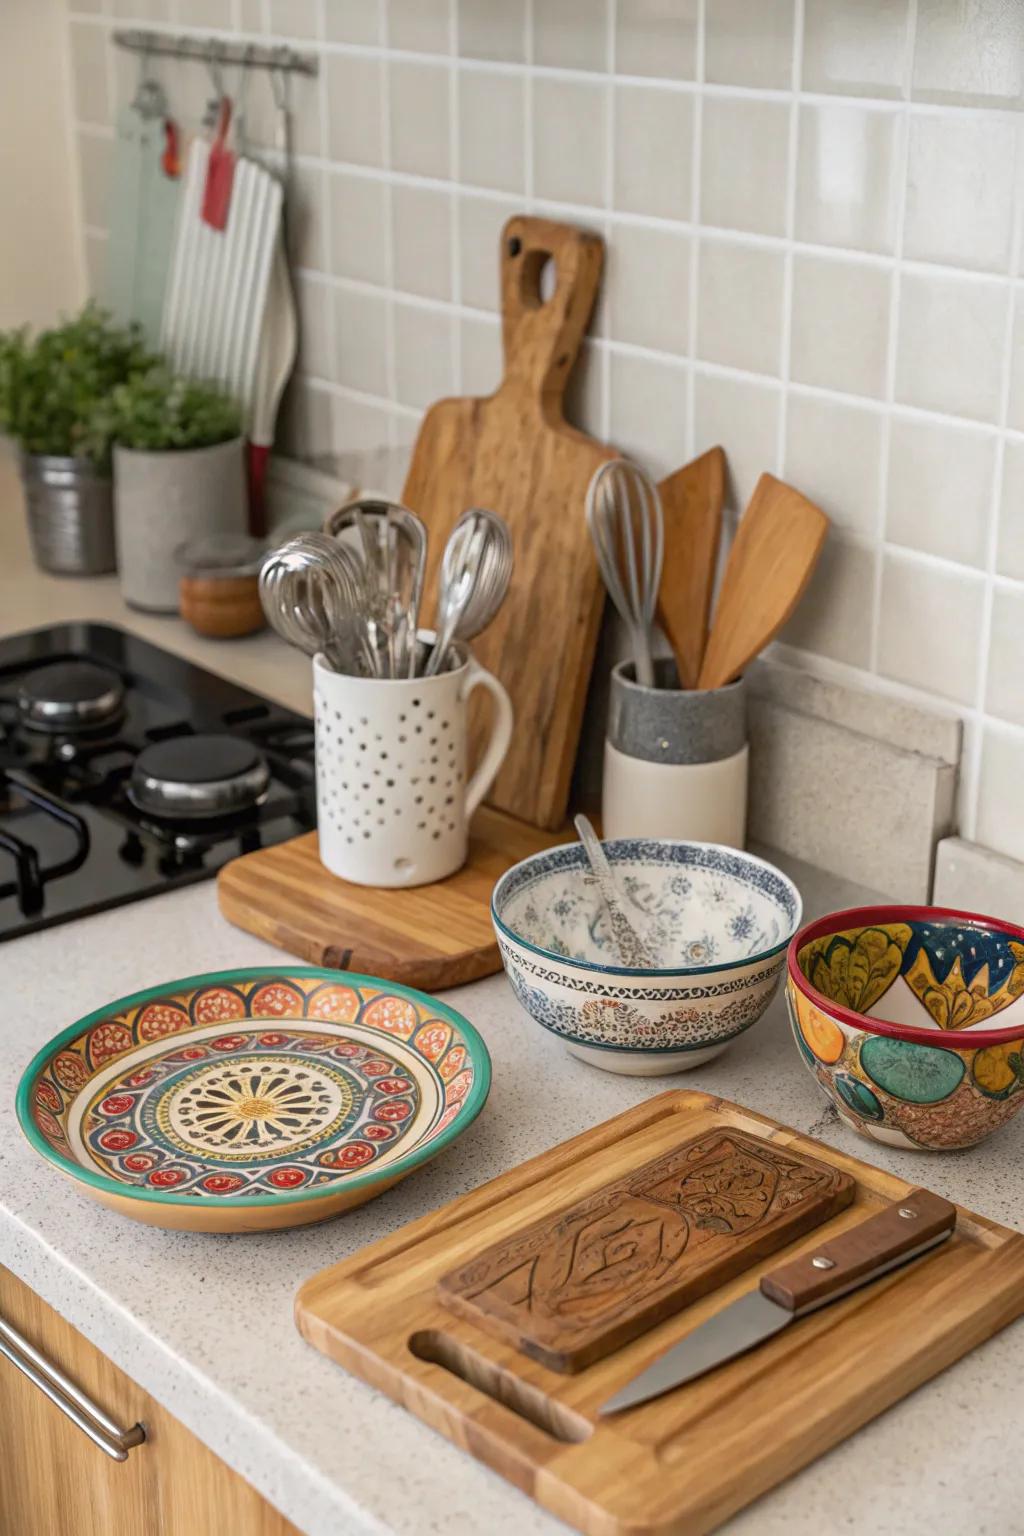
[577, 1285]
[429, 936]
[514, 452]
[681, 1464]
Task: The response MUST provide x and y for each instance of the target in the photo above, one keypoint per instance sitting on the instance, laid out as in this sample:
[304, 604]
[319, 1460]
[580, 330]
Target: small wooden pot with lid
[219, 591]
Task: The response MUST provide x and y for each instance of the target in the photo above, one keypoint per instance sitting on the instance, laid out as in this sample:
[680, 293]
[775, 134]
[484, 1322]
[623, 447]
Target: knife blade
[915, 1225]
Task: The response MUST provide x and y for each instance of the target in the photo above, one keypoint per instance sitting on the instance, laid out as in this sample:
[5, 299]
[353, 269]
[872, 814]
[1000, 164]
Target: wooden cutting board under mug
[514, 452]
[682, 1463]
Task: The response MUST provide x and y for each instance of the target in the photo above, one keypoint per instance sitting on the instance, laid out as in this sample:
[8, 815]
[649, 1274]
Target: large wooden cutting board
[681, 1464]
[514, 452]
[429, 936]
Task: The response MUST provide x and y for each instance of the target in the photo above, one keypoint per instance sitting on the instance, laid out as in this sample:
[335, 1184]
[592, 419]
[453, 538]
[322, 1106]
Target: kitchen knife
[821, 1274]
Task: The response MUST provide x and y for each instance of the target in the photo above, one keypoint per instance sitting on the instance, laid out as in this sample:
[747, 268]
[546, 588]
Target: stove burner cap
[70, 696]
[192, 777]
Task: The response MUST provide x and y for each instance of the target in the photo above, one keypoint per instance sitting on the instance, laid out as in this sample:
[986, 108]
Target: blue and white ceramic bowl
[716, 922]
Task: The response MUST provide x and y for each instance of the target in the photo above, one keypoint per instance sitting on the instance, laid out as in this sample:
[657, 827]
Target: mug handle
[500, 738]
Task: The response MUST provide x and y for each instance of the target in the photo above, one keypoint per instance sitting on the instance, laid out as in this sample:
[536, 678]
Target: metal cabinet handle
[71, 1400]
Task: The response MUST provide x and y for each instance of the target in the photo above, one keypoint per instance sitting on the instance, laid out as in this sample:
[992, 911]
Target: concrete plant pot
[162, 500]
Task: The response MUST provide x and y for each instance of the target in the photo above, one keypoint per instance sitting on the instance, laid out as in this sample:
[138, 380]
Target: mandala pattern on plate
[257, 1087]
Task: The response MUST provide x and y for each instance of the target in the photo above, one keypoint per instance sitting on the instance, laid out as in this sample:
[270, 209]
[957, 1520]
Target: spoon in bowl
[633, 952]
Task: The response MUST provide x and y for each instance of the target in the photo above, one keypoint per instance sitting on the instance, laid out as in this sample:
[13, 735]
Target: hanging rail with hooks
[216, 51]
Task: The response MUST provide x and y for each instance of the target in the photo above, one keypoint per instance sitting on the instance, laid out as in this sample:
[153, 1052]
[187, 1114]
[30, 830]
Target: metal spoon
[633, 951]
[476, 569]
[310, 591]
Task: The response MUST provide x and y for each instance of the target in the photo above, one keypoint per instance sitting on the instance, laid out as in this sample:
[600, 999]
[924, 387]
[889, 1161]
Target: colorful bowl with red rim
[248, 1100]
[912, 1021]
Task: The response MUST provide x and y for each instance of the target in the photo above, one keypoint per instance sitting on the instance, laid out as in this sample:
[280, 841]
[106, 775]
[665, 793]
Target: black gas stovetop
[126, 771]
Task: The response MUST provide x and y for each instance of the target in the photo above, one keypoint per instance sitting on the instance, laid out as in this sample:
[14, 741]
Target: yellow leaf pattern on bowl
[955, 1004]
[856, 968]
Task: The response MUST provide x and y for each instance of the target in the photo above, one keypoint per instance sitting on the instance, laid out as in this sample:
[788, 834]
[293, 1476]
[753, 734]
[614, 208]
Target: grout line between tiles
[892, 349]
[792, 152]
[390, 344]
[455, 167]
[693, 318]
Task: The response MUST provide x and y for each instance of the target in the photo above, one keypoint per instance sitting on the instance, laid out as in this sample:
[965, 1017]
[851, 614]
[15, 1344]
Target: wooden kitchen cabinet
[55, 1482]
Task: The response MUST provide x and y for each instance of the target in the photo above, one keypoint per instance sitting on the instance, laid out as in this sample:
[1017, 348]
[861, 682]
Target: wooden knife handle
[826, 1270]
[542, 336]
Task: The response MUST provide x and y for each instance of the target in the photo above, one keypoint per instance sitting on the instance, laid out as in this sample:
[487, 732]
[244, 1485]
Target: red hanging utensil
[220, 173]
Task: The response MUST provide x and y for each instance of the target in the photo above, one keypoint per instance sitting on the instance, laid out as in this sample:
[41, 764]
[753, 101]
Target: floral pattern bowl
[912, 1021]
[715, 921]
[244, 1100]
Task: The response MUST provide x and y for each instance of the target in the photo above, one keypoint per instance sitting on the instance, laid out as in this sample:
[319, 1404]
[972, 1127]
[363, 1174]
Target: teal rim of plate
[475, 1100]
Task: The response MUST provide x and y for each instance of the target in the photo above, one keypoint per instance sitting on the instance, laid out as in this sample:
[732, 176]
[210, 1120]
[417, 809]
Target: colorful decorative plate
[248, 1100]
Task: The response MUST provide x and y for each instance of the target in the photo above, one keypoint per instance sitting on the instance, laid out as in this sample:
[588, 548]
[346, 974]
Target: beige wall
[41, 267]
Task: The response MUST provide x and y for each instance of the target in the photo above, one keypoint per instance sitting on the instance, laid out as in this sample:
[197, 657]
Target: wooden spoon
[691, 500]
[776, 548]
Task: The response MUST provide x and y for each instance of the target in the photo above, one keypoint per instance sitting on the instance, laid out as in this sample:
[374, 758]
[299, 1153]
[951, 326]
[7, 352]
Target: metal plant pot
[162, 499]
[70, 515]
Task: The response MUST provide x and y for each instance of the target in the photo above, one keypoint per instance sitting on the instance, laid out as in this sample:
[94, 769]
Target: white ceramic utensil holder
[675, 760]
[393, 804]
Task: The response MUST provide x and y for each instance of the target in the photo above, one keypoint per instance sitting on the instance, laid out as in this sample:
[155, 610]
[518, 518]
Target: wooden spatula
[691, 501]
[776, 548]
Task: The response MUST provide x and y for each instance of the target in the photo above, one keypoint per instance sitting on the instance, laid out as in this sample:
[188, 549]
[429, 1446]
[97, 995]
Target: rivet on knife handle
[825, 1271]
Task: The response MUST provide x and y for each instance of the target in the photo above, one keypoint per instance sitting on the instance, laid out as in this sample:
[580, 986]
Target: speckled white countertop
[205, 1323]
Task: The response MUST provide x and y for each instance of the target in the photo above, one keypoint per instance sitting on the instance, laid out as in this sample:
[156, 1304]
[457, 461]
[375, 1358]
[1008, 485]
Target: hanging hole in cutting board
[538, 278]
[529, 1402]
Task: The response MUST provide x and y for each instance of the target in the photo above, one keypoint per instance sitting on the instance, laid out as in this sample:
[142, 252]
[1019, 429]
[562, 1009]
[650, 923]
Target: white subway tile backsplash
[569, 140]
[94, 168]
[653, 152]
[352, 21]
[1004, 692]
[89, 72]
[492, 138]
[96, 262]
[969, 51]
[952, 334]
[744, 153]
[840, 324]
[420, 26]
[354, 131]
[480, 221]
[834, 615]
[848, 176]
[834, 455]
[1015, 413]
[361, 340]
[1000, 802]
[570, 34]
[359, 227]
[419, 108]
[424, 354]
[960, 178]
[857, 49]
[480, 347]
[421, 220]
[652, 38]
[647, 287]
[743, 416]
[648, 411]
[492, 29]
[749, 42]
[930, 627]
[739, 305]
[940, 488]
[313, 301]
[1010, 548]
[803, 265]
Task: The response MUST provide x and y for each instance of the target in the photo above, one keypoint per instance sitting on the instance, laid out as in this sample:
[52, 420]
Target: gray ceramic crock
[669, 724]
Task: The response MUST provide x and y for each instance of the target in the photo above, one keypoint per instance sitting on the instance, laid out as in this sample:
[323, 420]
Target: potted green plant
[179, 471]
[50, 386]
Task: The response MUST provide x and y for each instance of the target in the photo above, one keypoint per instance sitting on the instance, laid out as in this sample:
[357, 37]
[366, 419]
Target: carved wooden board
[585, 1281]
[515, 452]
[683, 1463]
